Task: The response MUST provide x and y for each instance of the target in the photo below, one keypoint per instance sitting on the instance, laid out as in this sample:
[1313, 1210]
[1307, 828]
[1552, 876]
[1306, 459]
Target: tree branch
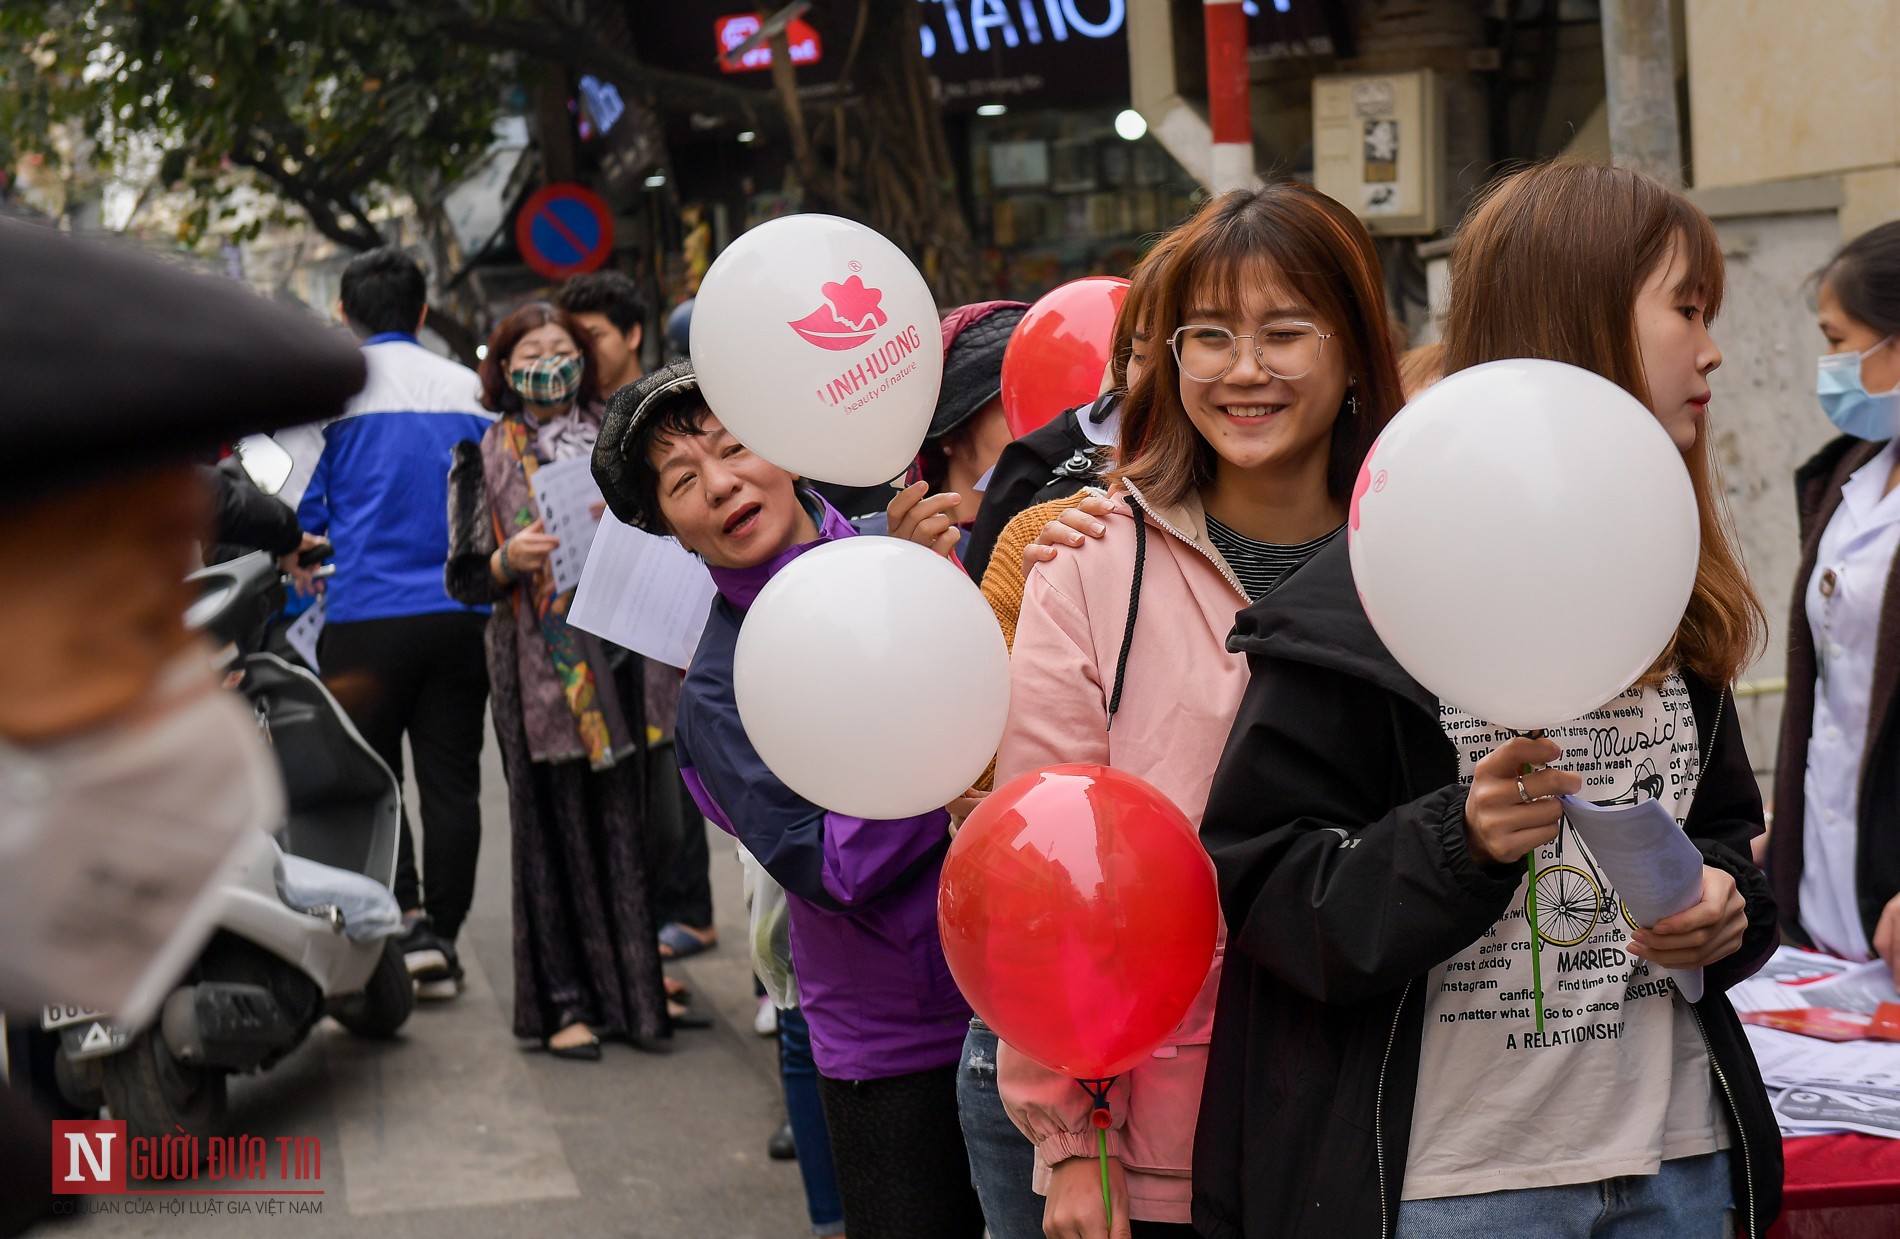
[664, 89]
[360, 233]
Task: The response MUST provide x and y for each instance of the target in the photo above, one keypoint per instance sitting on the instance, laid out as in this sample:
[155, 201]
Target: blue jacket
[862, 894]
[381, 487]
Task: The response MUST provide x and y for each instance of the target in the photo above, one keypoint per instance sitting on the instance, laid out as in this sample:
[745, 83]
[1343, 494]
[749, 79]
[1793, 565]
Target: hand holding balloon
[929, 522]
[1074, 1207]
[1500, 827]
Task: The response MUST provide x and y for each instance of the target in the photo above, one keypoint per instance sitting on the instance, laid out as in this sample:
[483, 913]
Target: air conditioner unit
[1376, 148]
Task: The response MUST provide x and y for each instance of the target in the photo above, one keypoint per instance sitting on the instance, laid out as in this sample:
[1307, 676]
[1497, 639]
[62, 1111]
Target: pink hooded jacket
[1180, 692]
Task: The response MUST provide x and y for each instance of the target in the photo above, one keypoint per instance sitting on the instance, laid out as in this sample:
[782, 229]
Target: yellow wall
[1780, 90]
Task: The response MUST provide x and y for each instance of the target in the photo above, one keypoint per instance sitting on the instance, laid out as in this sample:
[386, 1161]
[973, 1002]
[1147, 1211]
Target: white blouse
[1843, 605]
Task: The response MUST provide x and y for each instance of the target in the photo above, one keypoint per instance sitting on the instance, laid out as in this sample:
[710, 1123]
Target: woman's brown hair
[1549, 265]
[1292, 234]
[1137, 309]
[501, 398]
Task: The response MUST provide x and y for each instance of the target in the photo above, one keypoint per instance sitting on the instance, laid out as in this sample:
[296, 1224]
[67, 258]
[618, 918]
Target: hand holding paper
[1659, 874]
[570, 502]
[1701, 935]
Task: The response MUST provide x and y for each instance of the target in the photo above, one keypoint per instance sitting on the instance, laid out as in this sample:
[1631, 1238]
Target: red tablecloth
[1840, 1187]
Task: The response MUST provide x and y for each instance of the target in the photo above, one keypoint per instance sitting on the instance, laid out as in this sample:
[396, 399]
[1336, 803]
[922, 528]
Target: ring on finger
[1522, 794]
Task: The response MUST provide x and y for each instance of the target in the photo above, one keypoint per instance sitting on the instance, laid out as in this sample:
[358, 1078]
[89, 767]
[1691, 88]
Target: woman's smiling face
[1253, 419]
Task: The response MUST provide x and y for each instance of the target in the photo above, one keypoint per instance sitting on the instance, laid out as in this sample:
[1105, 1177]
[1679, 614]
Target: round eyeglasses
[1286, 350]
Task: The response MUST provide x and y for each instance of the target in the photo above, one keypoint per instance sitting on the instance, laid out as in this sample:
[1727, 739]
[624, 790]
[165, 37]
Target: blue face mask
[1847, 402]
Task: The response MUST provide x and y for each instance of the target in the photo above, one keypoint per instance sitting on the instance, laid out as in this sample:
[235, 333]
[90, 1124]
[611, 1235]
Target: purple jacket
[862, 894]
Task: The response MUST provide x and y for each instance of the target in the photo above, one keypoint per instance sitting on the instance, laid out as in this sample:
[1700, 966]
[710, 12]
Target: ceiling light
[481, 352]
[656, 180]
[748, 137]
[1131, 125]
[992, 109]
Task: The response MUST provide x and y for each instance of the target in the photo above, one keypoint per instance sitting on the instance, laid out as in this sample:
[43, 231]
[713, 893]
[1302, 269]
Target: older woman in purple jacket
[887, 1021]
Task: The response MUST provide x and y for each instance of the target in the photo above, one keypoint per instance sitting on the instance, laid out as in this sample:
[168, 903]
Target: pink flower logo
[851, 316]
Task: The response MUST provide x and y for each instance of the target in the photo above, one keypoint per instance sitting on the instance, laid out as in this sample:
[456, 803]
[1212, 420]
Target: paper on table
[1760, 993]
[306, 629]
[1814, 1110]
[1794, 965]
[1861, 987]
[1867, 1071]
[647, 593]
[1787, 1059]
[567, 495]
[1655, 869]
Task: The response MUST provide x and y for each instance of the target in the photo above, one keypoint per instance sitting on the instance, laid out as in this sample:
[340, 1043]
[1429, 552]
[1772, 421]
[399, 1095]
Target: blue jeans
[807, 1113]
[1688, 1199]
[1002, 1161]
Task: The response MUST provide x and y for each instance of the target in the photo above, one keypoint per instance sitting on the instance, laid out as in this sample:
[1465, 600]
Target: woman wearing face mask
[568, 712]
[1377, 1067]
[1834, 856]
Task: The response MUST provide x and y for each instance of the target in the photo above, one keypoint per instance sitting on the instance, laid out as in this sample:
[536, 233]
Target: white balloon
[872, 678]
[816, 344]
[1524, 538]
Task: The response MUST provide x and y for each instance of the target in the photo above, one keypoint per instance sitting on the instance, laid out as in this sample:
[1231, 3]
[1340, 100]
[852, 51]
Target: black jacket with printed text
[1336, 824]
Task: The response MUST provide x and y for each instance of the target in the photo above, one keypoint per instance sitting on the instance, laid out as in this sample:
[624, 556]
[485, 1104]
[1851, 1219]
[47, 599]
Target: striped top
[1260, 566]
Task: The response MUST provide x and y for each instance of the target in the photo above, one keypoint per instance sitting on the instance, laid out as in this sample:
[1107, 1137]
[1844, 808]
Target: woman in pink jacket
[1241, 441]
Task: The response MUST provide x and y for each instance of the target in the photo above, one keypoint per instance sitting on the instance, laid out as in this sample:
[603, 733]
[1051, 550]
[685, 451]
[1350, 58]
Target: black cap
[116, 360]
[620, 463]
[975, 337]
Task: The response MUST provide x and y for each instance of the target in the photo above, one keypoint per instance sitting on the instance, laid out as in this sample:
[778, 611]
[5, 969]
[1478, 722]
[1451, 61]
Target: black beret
[974, 339]
[116, 360]
[620, 458]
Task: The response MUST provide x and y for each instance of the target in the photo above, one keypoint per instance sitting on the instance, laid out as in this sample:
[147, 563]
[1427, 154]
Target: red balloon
[1056, 355]
[1079, 916]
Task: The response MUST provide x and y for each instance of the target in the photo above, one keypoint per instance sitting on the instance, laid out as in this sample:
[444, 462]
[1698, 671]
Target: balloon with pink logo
[816, 344]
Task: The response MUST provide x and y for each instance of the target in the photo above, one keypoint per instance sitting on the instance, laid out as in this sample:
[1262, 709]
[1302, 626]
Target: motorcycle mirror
[266, 461]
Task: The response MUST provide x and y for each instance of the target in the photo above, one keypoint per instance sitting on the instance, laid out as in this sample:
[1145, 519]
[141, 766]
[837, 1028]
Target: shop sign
[979, 25]
[730, 32]
[1026, 52]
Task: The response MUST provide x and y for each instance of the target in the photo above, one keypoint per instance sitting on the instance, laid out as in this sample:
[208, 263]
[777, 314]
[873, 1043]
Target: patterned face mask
[549, 380]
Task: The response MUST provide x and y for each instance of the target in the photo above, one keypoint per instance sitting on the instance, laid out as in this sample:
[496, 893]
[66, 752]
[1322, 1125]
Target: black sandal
[687, 1017]
[583, 1052]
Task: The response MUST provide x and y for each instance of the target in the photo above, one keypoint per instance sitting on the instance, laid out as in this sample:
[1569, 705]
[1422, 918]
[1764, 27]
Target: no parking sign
[564, 230]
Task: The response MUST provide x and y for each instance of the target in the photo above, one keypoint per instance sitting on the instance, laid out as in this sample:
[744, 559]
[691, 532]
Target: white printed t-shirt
[1618, 1081]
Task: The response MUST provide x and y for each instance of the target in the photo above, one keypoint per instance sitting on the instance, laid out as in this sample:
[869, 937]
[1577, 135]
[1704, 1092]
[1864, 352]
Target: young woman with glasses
[1240, 442]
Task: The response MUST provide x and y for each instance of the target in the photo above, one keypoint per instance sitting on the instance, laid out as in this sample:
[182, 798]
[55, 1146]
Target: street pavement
[459, 1131]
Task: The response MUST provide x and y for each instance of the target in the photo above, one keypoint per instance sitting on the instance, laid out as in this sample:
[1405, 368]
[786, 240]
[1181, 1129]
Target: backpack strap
[1134, 608]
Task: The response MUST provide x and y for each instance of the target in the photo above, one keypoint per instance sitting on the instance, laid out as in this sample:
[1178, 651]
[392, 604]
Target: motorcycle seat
[368, 909]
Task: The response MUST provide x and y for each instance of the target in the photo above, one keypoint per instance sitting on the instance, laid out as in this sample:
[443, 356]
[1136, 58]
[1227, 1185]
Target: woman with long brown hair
[1271, 372]
[568, 711]
[1377, 1067]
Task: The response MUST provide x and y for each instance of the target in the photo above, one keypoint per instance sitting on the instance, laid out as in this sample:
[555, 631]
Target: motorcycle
[307, 926]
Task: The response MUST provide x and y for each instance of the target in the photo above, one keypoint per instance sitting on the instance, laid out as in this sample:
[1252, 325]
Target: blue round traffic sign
[564, 230]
